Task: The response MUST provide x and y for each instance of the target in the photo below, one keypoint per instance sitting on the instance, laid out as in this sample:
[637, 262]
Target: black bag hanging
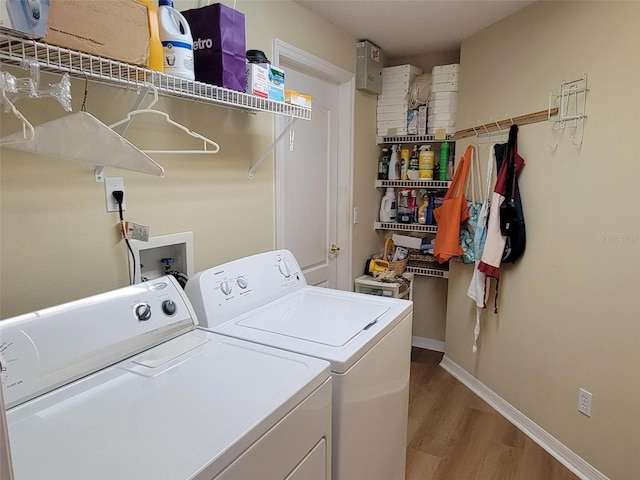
[511, 213]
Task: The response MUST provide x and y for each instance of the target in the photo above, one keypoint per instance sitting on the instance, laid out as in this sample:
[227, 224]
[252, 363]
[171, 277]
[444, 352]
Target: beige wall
[568, 313]
[57, 242]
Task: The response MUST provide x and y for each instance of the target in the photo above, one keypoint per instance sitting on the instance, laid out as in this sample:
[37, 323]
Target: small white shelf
[428, 272]
[407, 227]
[60, 60]
[428, 184]
[412, 139]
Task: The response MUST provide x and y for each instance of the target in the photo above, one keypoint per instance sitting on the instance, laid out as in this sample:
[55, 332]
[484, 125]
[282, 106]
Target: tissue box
[257, 80]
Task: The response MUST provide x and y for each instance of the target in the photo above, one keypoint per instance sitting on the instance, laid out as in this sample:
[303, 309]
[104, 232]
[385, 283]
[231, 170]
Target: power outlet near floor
[584, 402]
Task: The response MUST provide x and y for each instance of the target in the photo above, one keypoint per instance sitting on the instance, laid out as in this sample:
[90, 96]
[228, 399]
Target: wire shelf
[412, 139]
[60, 60]
[428, 184]
[427, 271]
[407, 227]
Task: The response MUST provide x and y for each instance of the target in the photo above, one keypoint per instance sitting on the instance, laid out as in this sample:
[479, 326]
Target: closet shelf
[407, 227]
[411, 139]
[59, 60]
[430, 184]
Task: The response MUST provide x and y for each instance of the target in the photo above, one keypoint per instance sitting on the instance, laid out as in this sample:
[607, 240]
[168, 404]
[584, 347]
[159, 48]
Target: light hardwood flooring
[454, 435]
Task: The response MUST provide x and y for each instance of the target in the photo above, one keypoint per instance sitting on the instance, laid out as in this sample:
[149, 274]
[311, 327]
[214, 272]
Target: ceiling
[405, 28]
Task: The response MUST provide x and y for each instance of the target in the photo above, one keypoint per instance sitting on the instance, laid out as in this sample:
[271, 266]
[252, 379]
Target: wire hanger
[206, 141]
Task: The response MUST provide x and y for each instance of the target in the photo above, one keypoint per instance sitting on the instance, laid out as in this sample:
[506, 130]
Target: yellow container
[404, 163]
[156, 52]
[426, 162]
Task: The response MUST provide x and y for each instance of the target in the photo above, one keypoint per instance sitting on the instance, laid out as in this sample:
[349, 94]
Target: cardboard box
[116, 29]
[22, 19]
[257, 80]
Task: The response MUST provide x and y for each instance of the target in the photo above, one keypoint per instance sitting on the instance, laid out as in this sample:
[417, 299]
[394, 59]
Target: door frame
[286, 54]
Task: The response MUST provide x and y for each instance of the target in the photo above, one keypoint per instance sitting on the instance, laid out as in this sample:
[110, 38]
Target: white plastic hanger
[28, 132]
[206, 141]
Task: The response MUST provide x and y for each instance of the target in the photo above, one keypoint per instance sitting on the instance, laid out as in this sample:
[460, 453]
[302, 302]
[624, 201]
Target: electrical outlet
[584, 402]
[356, 218]
[112, 184]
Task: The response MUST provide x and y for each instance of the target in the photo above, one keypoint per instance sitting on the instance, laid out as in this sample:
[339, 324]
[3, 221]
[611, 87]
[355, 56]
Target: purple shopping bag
[219, 45]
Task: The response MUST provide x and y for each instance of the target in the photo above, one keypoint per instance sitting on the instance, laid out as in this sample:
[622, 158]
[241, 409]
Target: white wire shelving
[427, 184]
[54, 59]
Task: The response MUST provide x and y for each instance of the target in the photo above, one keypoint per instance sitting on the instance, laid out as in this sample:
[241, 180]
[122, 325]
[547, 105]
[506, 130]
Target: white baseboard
[427, 343]
[553, 446]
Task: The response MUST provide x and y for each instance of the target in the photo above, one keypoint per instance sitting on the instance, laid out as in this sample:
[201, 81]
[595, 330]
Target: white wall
[57, 243]
[568, 316]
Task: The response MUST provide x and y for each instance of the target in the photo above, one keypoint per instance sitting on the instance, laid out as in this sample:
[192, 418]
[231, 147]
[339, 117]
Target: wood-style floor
[454, 435]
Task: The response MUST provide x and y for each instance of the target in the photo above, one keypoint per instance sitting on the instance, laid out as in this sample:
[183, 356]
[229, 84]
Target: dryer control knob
[143, 312]
[169, 307]
[242, 282]
[225, 286]
[284, 268]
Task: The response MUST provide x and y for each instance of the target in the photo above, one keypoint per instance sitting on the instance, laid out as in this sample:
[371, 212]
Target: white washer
[121, 385]
[265, 299]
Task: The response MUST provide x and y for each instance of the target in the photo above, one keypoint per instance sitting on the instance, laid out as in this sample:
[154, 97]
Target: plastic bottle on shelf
[422, 209]
[177, 41]
[412, 171]
[444, 160]
[394, 165]
[383, 164]
[404, 164]
[432, 204]
[413, 207]
[403, 212]
[426, 160]
[388, 206]
[156, 53]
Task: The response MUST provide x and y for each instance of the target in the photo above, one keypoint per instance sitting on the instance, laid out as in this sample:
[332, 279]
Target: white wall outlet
[584, 402]
[356, 216]
[112, 184]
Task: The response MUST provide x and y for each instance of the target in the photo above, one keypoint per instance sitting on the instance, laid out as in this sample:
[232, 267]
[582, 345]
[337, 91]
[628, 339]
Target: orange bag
[452, 213]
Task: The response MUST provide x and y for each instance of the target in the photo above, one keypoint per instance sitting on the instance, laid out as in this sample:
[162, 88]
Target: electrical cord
[118, 196]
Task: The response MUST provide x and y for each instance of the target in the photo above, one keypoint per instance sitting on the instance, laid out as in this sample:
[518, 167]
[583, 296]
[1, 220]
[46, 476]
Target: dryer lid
[314, 317]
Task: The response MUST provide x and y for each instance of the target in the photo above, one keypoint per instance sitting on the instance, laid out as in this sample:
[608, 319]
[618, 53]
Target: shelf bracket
[272, 146]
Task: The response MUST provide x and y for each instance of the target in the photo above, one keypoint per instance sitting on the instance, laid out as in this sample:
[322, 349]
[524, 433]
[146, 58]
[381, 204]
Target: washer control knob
[225, 286]
[284, 268]
[143, 312]
[242, 282]
[169, 307]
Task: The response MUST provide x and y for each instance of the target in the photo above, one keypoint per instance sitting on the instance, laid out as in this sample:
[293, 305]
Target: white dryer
[122, 386]
[367, 339]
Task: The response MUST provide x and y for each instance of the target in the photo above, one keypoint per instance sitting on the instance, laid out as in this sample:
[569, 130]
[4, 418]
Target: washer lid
[313, 317]
[182, 410]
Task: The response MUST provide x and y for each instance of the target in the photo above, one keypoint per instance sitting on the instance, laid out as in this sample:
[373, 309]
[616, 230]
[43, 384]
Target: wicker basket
[399, 267]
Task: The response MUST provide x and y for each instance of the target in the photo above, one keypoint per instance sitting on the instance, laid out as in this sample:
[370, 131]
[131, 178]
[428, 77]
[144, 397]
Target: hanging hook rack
[571, 110]
[292, 119]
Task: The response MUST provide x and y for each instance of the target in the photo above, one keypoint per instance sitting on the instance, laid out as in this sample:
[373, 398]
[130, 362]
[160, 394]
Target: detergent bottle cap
[390, 191]
[165, 3]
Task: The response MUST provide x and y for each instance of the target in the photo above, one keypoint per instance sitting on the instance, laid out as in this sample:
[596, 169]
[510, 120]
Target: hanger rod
[541, 116]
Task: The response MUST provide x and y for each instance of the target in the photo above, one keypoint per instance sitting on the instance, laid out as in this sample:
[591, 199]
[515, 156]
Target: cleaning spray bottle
[394, 166]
